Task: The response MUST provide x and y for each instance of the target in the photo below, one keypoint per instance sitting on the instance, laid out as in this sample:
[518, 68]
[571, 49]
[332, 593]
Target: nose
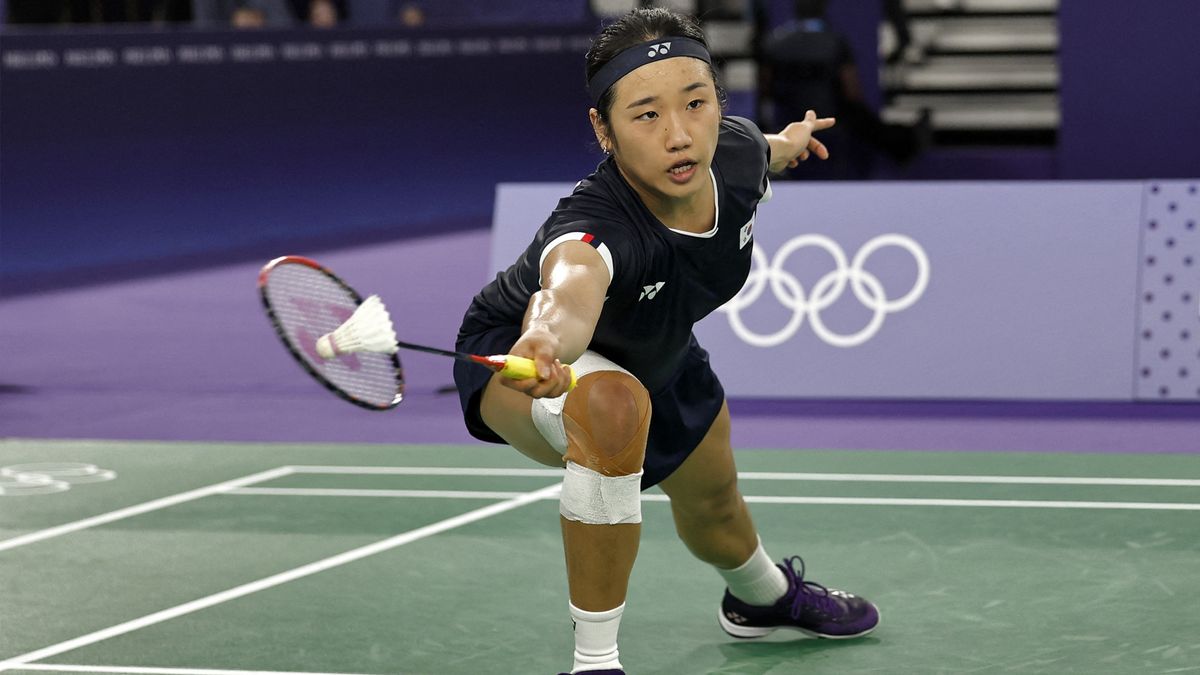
[678, 137]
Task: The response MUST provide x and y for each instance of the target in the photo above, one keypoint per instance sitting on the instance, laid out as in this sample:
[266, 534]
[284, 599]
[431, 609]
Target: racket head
[305, 300]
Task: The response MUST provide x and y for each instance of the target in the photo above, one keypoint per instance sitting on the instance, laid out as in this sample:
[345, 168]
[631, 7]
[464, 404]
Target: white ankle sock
[596, 639]
[758, 581]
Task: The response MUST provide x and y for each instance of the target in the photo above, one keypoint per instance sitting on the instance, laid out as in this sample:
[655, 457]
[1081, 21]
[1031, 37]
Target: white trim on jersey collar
[716, 218]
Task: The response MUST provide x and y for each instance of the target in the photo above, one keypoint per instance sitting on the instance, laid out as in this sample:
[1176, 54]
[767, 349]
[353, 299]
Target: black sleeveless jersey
[663, 280]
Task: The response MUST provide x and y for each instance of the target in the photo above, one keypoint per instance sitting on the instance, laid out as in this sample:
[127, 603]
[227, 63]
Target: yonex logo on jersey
[659, 49]
[648, 292]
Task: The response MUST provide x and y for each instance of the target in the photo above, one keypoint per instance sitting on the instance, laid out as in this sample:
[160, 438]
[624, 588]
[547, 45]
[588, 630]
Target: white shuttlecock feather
[369, 329]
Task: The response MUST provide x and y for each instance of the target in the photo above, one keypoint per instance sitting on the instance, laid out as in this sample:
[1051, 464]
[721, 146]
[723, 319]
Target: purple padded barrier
[1168, 358]
[944, 290]
[190, 357]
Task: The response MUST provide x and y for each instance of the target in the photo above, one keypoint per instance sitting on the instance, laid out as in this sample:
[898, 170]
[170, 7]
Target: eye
[648, 115]
[695, 104]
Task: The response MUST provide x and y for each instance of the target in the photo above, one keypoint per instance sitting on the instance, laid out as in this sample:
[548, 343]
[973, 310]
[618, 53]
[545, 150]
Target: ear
[600, 129]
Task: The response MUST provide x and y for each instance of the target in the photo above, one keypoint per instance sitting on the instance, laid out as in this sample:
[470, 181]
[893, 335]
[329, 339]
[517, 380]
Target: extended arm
[795, 143]
[561, 317]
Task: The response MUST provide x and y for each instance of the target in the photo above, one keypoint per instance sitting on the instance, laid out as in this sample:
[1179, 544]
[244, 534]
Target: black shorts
[682, 411]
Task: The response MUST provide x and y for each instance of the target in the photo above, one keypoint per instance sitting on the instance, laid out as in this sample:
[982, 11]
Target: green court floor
[220, 559]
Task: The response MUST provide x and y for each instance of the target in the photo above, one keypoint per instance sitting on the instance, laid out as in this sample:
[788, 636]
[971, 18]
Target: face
[663, 129]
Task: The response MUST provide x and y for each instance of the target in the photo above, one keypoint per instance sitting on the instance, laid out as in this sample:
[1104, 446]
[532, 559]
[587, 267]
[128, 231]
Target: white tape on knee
[547, 412]
[596, 499]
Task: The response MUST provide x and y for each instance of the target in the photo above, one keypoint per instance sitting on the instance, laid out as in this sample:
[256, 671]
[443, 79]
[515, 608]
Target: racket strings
[307, 304]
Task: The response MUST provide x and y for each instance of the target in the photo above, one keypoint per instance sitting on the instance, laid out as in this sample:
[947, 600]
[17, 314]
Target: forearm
[780, 152]
[569, 321]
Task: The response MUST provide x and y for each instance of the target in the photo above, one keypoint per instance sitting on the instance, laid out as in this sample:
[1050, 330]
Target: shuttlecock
[369, 329]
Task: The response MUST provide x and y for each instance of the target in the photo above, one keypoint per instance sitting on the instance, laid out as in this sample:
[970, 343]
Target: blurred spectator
[320, 13]
[243, 13]
[269, 13]
[807, 65]
[411, 15]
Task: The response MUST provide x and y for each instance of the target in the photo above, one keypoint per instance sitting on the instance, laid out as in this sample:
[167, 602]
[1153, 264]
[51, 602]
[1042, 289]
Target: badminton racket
[346, 343]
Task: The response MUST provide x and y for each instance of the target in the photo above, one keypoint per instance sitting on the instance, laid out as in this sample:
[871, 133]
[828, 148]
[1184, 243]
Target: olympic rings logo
[788, 290]
[45, 478]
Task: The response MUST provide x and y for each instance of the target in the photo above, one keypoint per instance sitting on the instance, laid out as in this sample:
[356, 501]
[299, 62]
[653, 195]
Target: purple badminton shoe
[807, 607]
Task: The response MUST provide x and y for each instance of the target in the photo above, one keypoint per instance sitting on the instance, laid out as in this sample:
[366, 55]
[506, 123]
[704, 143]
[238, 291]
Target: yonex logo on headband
[639, 55]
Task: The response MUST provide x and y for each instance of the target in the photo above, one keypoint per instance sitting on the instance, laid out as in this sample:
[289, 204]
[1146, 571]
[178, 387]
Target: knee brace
[591, 498]
[606, 419]
[601, 429]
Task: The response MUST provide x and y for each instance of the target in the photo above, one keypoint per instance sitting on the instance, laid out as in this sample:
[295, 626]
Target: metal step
[982, 6]
[984, 112]
[991, 34]
[949, 73]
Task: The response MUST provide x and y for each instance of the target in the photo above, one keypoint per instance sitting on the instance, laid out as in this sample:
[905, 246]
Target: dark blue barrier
[126, 152]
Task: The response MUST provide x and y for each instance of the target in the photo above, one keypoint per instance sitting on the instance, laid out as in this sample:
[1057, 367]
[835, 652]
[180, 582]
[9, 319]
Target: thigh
[509, 413]
[709, 472]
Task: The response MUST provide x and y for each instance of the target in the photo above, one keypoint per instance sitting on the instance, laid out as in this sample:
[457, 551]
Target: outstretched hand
[796, 143]
[553, 378]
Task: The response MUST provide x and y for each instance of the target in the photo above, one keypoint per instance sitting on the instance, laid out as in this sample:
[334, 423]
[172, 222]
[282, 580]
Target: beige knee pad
[607, 419]
[601, 429]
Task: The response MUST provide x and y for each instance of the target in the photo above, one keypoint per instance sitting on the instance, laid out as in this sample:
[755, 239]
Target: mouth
[682, 171]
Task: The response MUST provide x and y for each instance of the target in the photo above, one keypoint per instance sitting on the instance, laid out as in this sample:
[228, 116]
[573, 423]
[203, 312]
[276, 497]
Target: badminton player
[657, 238]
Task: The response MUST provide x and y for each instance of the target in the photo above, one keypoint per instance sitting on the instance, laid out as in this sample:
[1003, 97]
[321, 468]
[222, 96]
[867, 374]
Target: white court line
[283, 577]
[426, 471]
[143, 670]
[764, 475]
[997, 480]
[751, 499]
[1002, 503]
[144, 507]
[350, 492]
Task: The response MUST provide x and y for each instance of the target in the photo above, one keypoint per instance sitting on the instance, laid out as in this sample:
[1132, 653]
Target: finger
[823, 123]
[803, 156]
[818, 148]
[544, 364]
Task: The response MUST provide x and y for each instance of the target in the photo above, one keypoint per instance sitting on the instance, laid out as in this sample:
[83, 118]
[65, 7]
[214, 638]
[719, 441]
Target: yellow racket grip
[520, 368]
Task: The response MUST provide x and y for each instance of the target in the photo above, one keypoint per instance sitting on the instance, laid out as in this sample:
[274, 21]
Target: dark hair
[640, 25]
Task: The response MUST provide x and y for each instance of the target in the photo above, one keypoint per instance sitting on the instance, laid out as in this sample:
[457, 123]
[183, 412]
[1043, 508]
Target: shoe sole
[752, 632]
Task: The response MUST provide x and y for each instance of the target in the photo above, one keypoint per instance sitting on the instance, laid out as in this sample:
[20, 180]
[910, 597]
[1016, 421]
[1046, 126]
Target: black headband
[639, 55]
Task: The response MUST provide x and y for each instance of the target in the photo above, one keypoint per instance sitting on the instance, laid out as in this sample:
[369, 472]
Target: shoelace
[808, 593]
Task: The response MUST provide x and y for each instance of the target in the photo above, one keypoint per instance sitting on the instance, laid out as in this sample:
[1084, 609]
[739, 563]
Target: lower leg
[599, 561]
[720, 535]
[725, 538]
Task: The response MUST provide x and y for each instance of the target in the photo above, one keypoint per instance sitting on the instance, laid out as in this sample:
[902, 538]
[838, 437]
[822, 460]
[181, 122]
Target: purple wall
[982, 290]
[115, 162]
[1130, 89]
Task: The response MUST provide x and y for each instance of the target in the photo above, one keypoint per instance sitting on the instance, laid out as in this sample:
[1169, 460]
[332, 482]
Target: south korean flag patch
[747, 232]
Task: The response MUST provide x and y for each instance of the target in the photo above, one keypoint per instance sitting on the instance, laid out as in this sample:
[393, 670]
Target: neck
[693, 213]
